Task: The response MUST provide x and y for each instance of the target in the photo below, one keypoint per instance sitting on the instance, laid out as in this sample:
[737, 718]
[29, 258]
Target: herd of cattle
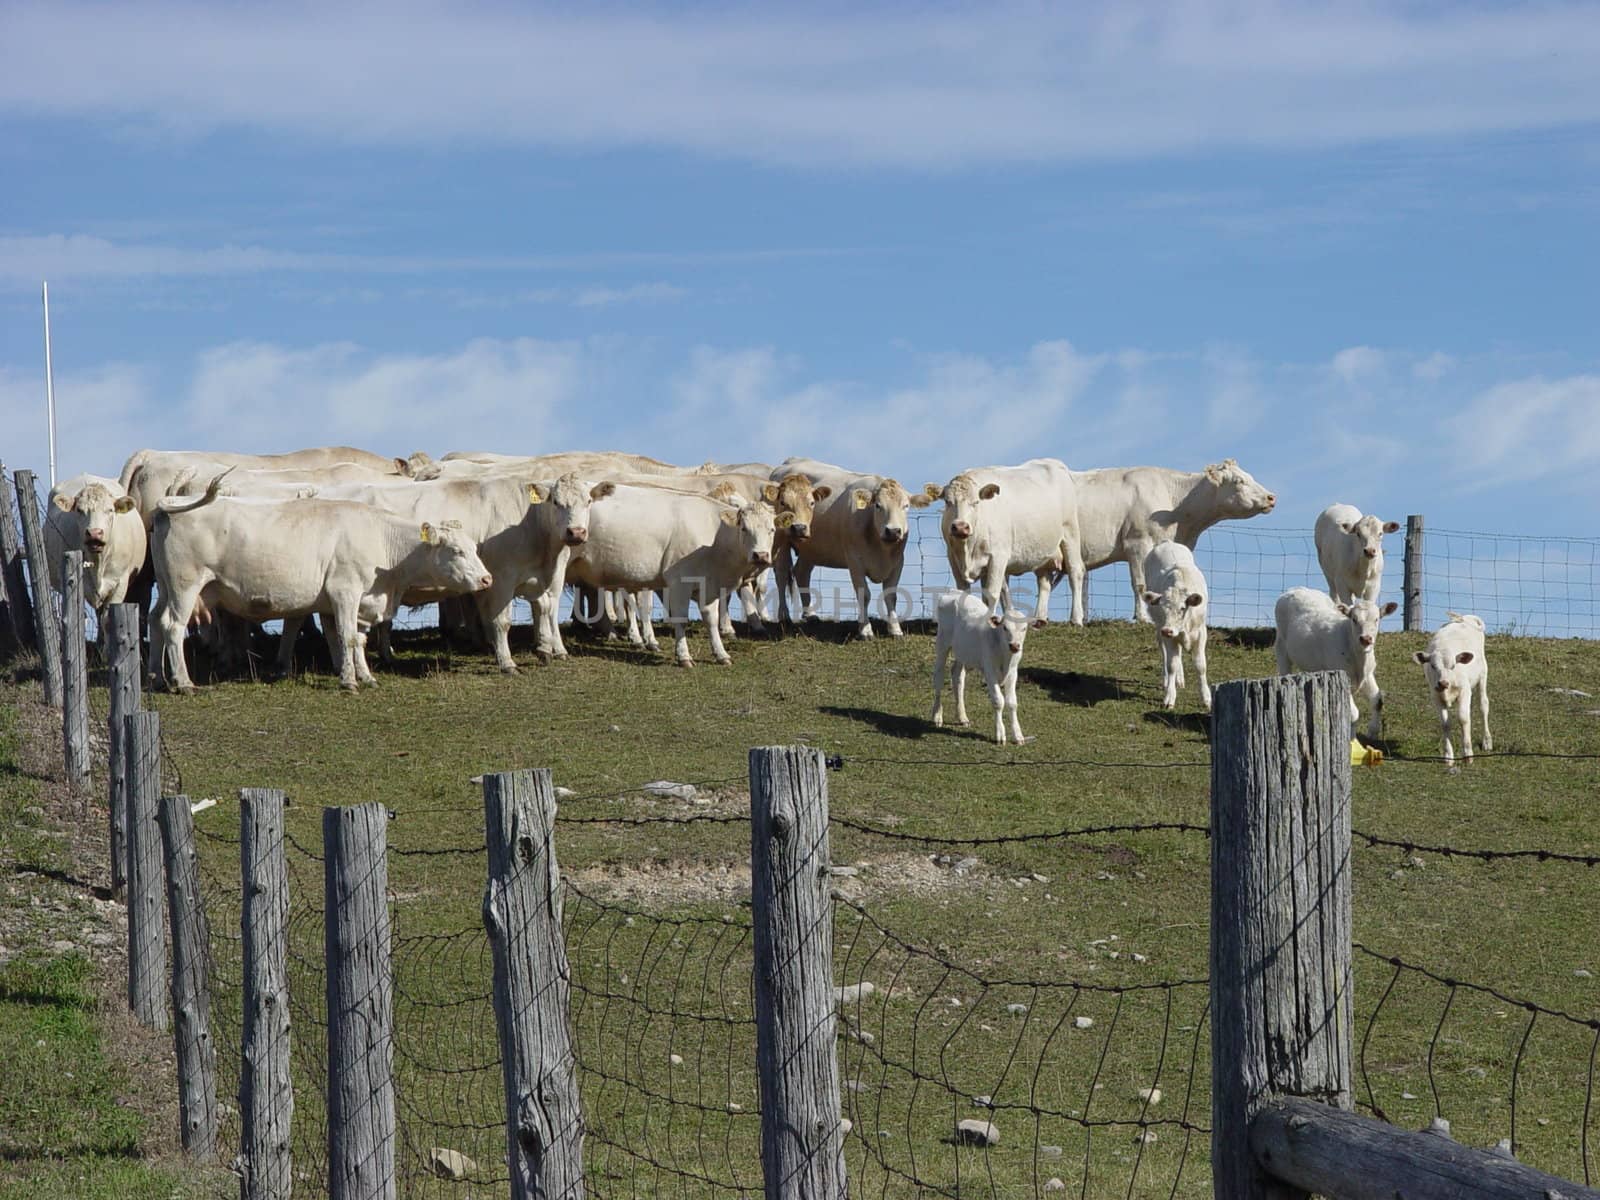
[231, 539]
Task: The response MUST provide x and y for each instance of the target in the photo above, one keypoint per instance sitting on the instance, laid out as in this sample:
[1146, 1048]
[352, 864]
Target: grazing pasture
[658, 935]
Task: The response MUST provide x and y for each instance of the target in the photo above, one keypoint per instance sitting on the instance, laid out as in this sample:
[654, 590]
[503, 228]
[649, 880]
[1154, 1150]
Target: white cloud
[1529, 430]
[1433, 368]
[1357, 364]
[906, 86]
[102, 414]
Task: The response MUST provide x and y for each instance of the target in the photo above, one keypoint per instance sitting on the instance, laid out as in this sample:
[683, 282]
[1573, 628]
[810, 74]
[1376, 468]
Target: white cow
[686, 546]
[1124, 511]
[1456, 666]
[1004, 521]
[990, 642]
[92, 514]
[1176, 598]
[1350, 549]
[152, 475]
[264, 560]
[861, 526]
[600, 464]
[1317, 633]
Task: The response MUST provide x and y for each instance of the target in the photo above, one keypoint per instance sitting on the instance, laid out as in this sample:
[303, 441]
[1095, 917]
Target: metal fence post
[191, 983]
[45, 635]
[802, 1139]
[74, 671]
[361, 1123]
[1413, 595]
[147, 936]
[1281, 1021]
[122, 640]
[266, 1097]
[19, 609]
[532, 1003]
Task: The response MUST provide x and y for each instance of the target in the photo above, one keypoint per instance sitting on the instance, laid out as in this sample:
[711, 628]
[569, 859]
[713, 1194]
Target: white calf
[1456, 665]
[1315, 633]
[1350, 549]
[1176, 600]
[992, 644]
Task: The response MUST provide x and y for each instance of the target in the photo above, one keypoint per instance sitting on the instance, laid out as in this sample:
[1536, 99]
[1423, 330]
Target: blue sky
[1353, 246]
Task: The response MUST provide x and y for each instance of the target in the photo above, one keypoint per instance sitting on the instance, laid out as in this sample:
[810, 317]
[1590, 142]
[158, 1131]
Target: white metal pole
[49, 385]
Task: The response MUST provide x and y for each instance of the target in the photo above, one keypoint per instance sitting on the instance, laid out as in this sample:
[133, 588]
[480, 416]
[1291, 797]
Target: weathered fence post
[1413, 595]
[191, 983]
[74, 671]
[532, 1002]
[147, 940]
[45, 637]
[122, 639]
[802, 1140]
[266, 1098]
[19, 609]
[361, 1128]
[1280, 910]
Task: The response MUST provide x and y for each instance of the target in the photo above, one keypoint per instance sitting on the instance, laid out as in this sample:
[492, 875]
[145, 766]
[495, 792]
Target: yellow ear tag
[427, 533]
[533, 494]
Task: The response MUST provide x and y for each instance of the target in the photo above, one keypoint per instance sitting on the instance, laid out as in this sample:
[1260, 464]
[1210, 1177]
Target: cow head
[92, 512]
[453, 557]
[569, 498]
[1238, 495]
[1364, 616]
[961, 496]
[755, 525]
[890, 508]
[1367, 533]
[419, 466]
[1175, 610]
[1447, 673]
[1013, 626]
[796, 496]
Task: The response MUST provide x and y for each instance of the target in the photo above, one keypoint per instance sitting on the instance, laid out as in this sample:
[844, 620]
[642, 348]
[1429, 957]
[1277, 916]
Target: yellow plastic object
[1364, 756]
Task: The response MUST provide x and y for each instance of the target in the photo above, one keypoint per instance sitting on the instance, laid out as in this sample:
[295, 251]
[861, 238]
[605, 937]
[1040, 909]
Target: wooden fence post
[45, 636]
[122, 639]
[147, 936]
[19, 609]
[1281, 1021]
[361, 1126]
[802, 1140]
[532, 1001]
[1413, 594]
[266, 1097]
[191, 983]
[74, 671]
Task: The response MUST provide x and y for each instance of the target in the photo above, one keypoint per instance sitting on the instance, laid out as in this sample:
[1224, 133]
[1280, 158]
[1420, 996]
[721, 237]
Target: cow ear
[64, 502]
[921, 500]
[1344, 609]
[988, 491]
[1195, 600]
[402, 466]
[123, 504]
[1152, 597]
[1214, 473]
[1464, 657]
[996, 621]
[1346, 526]
[861, 497]
[820, 492]
[1391, 526]
[1420, 658]
[933, 491]
[784, 520]
[769, 493]
[428, 533]
[1388, 608]
[536, 494]
[730, 516]
[601, 490]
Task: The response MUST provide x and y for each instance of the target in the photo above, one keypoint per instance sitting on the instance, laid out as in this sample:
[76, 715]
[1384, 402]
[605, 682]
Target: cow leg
[711, 614]
[1444, 735]
[1041, 607]
[958, 683]
[996, 588]
[1483, 709]
[725, 615]
[751, 597]
[168, 623]
[997, 697]
[891, 600]
[1010, 685]
[1169, 674]
[286, 644]
[384, 631]
[1072, 553]
[1136, 578]
[863, 594]
[1200, 667]
[679, 593]
[941, 653]
[342, 636]
[1464, 716]
[781, 574]
[808, 598]
[363, 669]
[494, 608]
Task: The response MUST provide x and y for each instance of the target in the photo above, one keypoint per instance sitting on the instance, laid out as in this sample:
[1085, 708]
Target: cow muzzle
[762, 558]
[1370, 553]
[1016, 647]
[894, 536]
[1366, 641]
[95, 540]
[960, 529]
[1167, 631]
[576, 535]
[799, 532]
[485, 582]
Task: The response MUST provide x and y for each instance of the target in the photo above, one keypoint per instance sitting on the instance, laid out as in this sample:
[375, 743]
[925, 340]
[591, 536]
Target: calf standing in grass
[1316, 633]
[1176, 599]
[1350, 549]
[992, 644]
[1456, 666]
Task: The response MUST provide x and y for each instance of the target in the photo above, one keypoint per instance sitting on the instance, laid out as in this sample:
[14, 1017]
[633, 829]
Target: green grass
[611, 719]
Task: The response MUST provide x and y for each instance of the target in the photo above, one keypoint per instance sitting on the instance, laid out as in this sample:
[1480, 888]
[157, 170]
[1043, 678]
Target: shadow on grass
[1185, 722]
[1249, 639]
[67, 877]
[1074, 687]
[896, 725]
